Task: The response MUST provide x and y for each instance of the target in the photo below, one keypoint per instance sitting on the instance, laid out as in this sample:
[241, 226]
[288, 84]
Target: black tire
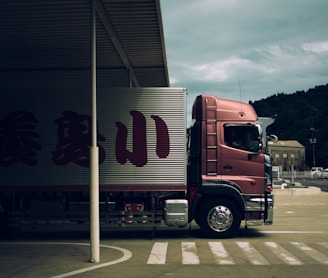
[219, 218]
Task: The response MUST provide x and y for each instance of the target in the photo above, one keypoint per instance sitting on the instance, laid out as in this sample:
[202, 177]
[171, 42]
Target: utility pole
[313, 141]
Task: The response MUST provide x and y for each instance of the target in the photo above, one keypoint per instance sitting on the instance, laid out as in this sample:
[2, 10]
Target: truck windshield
[244, 137]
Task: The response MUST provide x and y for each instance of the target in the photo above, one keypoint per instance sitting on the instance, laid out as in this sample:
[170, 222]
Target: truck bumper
[259, 210]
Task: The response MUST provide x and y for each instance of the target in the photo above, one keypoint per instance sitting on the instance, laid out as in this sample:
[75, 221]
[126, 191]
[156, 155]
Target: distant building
[286, 153]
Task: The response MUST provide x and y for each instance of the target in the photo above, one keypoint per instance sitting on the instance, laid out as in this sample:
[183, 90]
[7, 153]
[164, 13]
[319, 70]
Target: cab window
[243, 137]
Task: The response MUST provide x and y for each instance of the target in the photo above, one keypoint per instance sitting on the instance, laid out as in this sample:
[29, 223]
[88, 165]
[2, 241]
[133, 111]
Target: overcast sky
[246, 49]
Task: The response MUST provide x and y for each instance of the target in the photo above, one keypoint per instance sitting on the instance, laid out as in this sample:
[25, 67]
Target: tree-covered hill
[300, 116]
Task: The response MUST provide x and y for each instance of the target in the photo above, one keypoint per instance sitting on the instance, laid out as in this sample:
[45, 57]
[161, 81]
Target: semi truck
[153, 170]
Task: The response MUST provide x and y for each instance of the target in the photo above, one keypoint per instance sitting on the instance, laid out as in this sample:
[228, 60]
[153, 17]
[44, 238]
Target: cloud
[316, 47]
[218, 71]
[246, 50]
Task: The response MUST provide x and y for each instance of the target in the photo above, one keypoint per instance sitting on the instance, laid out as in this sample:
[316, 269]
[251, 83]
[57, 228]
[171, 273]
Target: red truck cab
[229, 172]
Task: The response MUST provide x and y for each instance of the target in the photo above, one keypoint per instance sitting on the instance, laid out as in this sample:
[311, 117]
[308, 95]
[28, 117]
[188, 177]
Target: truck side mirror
[273, 138]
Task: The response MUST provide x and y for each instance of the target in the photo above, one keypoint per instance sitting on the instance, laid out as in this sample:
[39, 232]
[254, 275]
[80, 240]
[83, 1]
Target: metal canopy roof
[49, 43]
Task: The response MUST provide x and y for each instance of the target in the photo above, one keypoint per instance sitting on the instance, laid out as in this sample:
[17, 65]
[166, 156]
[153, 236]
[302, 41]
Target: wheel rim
[220, 218]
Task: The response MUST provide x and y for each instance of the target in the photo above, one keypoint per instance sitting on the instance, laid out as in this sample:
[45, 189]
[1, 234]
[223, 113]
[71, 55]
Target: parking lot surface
[298, 238]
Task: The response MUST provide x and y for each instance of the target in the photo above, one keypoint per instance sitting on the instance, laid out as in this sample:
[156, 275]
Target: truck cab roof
[209, 107]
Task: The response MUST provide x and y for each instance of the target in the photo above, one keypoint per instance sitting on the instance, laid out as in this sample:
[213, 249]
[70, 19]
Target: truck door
[241, 159]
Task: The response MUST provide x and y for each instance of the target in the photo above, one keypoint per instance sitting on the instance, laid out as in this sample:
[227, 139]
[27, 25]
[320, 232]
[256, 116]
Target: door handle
[227, 167]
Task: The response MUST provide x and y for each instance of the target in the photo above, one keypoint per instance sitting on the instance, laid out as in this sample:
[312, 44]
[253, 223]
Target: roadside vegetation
[300, 116]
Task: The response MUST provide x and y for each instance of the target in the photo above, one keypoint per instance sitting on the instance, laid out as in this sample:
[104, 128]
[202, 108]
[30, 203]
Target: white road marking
[314, 254]
[126, 256]
[189, 253]
[190, 256]
[287, 257]
[158, 253]
[252, 254]
[220, 254]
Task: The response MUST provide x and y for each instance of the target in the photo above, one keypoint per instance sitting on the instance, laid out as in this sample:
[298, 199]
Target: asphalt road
[296, 245]
[321, 183]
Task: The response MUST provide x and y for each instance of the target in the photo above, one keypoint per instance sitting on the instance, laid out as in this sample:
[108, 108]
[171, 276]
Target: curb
[305, 191]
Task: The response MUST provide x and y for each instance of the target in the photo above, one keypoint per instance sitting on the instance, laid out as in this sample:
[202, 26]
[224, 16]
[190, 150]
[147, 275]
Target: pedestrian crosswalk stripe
[252, 254]
[220, 254]
[158, 253]
[280, 252]
[189, 253]
[314, 254]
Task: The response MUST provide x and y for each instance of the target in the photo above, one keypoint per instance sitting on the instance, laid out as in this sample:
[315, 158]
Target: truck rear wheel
[219, 218]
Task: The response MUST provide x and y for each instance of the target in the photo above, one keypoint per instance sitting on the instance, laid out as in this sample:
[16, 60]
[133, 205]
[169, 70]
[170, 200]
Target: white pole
[94, 153]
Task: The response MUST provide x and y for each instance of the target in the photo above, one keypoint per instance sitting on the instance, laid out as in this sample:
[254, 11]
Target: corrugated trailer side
[45, 139]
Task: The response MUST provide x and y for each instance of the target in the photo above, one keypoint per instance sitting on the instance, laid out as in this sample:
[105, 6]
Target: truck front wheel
[219, 218]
